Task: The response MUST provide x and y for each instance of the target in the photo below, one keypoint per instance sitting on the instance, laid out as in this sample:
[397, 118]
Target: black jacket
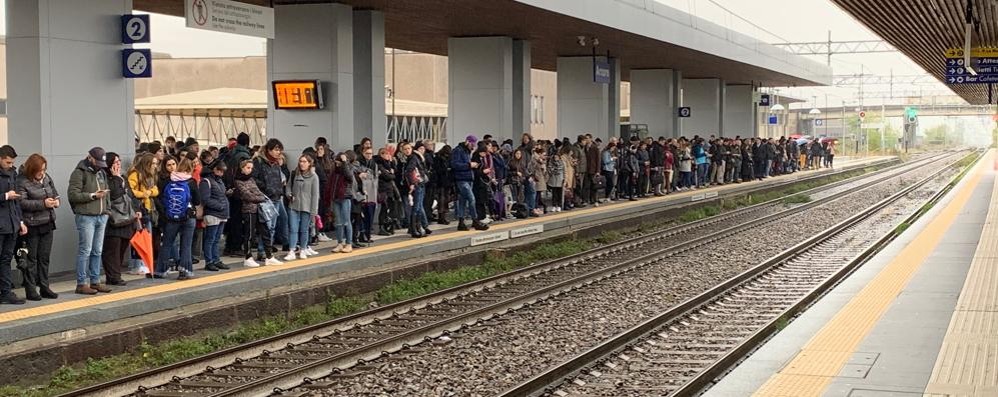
[118, 185]
[33, 195]
[212, 191]
[268, 178]
[10, 210]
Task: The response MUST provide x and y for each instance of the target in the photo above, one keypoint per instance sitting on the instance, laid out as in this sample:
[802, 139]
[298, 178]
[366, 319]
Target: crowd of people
[259, 202]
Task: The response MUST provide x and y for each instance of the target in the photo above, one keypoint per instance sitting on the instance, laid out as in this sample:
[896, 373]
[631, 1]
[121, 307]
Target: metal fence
[413, 128]
[212, 129]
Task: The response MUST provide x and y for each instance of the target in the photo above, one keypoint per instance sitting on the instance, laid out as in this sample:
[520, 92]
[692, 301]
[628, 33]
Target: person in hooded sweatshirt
[303, 198]
[179, 197]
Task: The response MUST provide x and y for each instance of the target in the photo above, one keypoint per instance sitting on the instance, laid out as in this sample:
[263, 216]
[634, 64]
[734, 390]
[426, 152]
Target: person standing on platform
[39, 199]
[303, 194]
[118, 232]
[415, 174]
[179, 198]
[269, 175]
[88, 195]
[142, 182]
[367, 178]
[215, 199]
[341, 187]
[464, 177]
[11, 225]
[254, 233]
[234, 230]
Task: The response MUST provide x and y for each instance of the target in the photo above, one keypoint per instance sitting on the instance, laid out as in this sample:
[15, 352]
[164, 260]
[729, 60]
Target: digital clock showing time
[298, 94]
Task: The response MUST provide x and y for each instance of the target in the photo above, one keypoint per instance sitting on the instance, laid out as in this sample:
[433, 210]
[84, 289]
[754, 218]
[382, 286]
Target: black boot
[47, 293]
[461, 226]
[427, 231]
[479, 225]
[31, 294]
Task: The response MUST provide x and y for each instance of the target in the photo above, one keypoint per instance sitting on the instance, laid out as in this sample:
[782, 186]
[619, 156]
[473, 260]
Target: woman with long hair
[179, 198]
[39, 199]
[117, 235]
[341, 185]
[303, 196]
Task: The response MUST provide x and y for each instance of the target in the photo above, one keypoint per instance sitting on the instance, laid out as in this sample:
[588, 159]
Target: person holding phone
[89, 196]
[11, 225]
[39, 199]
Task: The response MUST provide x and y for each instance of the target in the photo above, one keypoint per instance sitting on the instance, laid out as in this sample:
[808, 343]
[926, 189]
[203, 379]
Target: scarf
[178, 176]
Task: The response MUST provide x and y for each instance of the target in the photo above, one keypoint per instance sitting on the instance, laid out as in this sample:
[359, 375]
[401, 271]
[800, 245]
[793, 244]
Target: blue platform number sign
[764, 100]
[685, 111]
[601, 72]
[136, 63]
[134, 28]
[773, 120]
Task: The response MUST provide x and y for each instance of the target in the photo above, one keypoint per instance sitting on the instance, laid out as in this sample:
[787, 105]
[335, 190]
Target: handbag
[121, 212]
[599, 181]
[267, 212]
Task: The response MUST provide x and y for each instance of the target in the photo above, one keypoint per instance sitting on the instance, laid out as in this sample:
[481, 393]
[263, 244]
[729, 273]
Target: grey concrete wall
[480, 78]
[521, 89]
[703, 96]
[652, 101]
[67, 93]
[582, 104]
[314, 41]
[739, 111]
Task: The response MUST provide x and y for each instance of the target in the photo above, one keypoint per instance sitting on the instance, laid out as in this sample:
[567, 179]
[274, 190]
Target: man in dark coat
[11, 225]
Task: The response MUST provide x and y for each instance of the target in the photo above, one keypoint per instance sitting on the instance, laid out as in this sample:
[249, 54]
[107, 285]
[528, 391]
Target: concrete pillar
[521, 89]
[489, 90]
[583, 105]
[739, 111]
[66, 92]
[613, 103]
[677, 95]
[314, 42]
[704, 97]
[654, 101]
[369, 76]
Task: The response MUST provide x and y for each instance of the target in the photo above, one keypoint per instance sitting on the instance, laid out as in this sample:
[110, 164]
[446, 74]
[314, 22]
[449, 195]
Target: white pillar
[314, 42]
[703, 96]
[583, 105]
[369, 76]
[654, 101]
[521, 89]
[481, 89]
[66, 93]
[677, 95]
[739, 111]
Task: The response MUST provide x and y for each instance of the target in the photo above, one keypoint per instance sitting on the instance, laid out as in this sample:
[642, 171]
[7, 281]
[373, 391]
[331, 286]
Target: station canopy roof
[643, 35]
[924, 29]
[244, 102]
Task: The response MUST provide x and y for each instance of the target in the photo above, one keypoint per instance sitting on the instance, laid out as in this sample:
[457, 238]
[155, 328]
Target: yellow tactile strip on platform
[820, 360]
[967, 364]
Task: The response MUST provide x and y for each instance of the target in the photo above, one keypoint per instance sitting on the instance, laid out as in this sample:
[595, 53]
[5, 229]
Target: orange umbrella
[142, 242]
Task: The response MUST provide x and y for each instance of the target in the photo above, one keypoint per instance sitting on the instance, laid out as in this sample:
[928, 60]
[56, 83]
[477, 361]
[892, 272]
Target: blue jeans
[465, 200]
[701, 174]
[419, 210]
[299, 222]
[212, 234]
[529, 196]
[171, 230]
[90, 229]
[344, 231]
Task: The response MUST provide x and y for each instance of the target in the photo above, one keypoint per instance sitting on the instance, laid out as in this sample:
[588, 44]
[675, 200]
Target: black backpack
[520, 211]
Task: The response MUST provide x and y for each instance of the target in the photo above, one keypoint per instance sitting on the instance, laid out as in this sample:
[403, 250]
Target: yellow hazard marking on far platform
[820, 360]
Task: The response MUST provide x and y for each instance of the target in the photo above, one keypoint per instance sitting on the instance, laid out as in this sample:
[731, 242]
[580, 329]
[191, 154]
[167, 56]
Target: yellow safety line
[251, 272]
[811, 371]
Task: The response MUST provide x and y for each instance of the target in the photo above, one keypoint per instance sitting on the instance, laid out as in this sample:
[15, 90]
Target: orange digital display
[298, 94]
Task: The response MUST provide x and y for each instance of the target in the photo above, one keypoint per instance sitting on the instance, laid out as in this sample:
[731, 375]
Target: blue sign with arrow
[979, 79]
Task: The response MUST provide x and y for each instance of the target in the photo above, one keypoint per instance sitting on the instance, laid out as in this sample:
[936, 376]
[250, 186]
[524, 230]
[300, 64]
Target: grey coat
[556, 172]
[33, 194]
[303, 189]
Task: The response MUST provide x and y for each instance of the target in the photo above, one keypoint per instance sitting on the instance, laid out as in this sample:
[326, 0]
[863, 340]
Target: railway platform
[210, 299]
[919, 318]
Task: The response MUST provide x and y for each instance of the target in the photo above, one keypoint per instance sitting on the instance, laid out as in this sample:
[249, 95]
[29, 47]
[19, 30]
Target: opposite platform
[880, 331]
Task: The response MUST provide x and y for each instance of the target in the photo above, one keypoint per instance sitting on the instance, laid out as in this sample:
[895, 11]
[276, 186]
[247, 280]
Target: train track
[286, 360]
[684, 350]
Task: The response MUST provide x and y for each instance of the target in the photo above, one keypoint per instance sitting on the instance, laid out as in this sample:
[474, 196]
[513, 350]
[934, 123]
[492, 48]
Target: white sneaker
[288, 258]
[324, 238]
[273, 262]
[486, 220]
[302, 254]
[338, 248]
[310, 252]
[249, 262]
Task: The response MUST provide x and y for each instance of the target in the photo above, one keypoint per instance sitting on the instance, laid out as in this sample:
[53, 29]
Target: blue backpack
[177, 200]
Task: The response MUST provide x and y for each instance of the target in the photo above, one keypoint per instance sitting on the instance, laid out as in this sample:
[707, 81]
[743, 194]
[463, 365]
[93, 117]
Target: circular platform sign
[136, 63]
[134, 28]
[685, 111]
